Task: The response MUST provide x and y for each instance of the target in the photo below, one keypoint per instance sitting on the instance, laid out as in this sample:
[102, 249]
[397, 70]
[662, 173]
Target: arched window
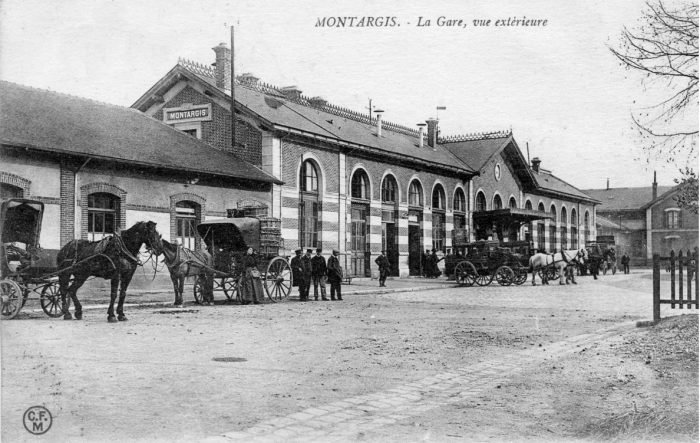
[563, 218]
[103, 215]
[586, 226]
[360, 185]
[415, 194]
[574, 229]
[553, 243]
[480, 204]
[540, 207]
[186, 219]
[308, 205]
[10, 191]
[309, 177]
[512, 204]
[439, 233]
[460, 209]
[530, 226]
[497, 202]
[389, 193]
[528, 205]
[439, 198]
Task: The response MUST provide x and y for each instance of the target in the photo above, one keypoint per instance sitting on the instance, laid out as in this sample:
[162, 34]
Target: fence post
[697, 302]
[680, 279]
[690, 270]
[657, 289]
[673, 275]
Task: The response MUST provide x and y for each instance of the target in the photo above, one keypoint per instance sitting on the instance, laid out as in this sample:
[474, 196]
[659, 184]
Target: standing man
[625, 260]
[383, 264]
[298, 274]
[306, 261]
[335, 274]
[318, 274]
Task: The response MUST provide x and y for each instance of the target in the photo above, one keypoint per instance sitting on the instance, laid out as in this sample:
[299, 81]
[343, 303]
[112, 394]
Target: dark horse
[113, 258]
[183, 262]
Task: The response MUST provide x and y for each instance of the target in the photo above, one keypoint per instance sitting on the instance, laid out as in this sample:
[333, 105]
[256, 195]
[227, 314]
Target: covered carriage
[228, 240]
[25, 268]
[484, 261]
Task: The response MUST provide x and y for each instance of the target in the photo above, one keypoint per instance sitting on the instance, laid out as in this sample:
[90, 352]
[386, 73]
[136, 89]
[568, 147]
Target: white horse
[560, 260]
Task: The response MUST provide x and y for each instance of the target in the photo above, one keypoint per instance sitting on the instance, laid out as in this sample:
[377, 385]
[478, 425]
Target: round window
[497, 171]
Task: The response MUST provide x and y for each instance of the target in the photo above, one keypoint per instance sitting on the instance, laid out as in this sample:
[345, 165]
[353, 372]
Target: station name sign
[187, 113]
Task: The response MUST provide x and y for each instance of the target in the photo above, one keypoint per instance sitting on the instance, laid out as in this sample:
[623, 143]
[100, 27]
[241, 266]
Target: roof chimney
[432, 132]
[654, 188]
[421, 132]
[379, 122]
[222, 71]
[318, 102]
[248, 79]
[536, 164]
[291, 92]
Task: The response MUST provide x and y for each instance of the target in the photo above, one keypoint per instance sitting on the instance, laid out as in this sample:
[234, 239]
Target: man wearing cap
[383, 264]
[318, 274]
[306, 261]
[335, 274]
[298, 274]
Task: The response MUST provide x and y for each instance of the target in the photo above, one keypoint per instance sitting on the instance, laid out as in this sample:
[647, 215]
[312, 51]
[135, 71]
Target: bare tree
[665, 49]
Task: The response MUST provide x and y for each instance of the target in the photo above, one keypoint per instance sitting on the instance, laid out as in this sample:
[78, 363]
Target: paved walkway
[343, 420]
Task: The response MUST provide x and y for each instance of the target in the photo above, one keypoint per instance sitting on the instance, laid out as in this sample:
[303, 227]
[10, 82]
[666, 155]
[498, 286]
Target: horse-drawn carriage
[486, 260]
[227, 241]
[25, 268]
[602, 253]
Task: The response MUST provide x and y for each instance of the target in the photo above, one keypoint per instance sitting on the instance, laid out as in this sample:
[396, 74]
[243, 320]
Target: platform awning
[510, 215]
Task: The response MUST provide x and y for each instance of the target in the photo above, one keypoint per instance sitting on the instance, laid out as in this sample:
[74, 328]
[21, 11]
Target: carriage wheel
[483, 279]
[504, 275]
[465, 273]
[12, 297]
[520, 276]
[199, 290]
[230, 287]
[552, 273]
[51, 300]
[278, 279]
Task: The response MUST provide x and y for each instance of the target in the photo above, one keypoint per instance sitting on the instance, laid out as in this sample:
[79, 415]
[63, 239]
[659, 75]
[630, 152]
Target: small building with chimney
[99, 168]
[645, 221]
[357, 182]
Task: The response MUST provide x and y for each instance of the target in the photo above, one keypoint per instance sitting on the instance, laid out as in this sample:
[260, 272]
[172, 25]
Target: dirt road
[452, 364]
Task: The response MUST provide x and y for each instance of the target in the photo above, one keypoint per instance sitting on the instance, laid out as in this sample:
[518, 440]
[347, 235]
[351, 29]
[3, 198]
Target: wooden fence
[683, 288]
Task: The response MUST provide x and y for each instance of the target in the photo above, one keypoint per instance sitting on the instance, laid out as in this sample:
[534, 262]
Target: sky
[557, 87]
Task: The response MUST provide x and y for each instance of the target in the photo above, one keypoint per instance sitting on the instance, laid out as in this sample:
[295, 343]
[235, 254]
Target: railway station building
[358, 183]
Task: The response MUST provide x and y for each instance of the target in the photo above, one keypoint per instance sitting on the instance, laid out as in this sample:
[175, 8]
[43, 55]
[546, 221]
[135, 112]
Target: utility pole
[233, 96]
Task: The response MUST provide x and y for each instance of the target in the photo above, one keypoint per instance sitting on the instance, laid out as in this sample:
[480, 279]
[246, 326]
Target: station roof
[65, 124]
[625, 199]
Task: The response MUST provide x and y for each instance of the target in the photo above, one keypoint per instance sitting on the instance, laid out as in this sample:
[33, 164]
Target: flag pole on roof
[439, 108]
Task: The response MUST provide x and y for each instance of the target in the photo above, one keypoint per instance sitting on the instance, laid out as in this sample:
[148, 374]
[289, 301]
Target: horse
[183, 262]
[112, 258]
[560, 260]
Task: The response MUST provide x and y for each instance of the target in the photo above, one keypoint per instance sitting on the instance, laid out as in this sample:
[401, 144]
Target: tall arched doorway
[359, 226]
[415, 228]
[390, 228]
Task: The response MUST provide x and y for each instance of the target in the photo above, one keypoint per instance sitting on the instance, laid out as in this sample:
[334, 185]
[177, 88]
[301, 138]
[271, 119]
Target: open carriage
[25, 268]
[484, 261]
[227, 241]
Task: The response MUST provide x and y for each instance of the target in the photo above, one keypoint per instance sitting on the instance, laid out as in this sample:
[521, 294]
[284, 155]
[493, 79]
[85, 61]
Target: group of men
[307, 270]
[429, 262]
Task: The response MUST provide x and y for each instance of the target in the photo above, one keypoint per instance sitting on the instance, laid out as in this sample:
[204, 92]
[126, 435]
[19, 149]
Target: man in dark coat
[298, 275]
[306, 261]
[383, 263]
[625, 260]
[335, 274]
[318, 274]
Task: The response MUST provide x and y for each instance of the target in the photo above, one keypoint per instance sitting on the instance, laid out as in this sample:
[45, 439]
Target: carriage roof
[235, 234]
[20, 220]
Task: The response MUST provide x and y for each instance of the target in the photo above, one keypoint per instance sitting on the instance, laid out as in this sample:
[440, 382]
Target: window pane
[109, 223]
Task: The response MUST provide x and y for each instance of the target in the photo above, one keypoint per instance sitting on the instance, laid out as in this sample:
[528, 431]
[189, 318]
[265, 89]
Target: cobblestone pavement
[346, 419]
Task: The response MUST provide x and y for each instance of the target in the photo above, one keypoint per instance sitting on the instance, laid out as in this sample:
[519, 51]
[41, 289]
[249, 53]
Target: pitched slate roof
[328, 121]
[477, 153]
[621, 199]
[61, 123]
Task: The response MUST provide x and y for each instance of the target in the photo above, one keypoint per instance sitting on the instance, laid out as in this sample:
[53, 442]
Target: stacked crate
[270, 236]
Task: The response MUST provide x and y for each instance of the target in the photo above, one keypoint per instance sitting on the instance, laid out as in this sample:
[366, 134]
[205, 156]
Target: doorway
[359, 254]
